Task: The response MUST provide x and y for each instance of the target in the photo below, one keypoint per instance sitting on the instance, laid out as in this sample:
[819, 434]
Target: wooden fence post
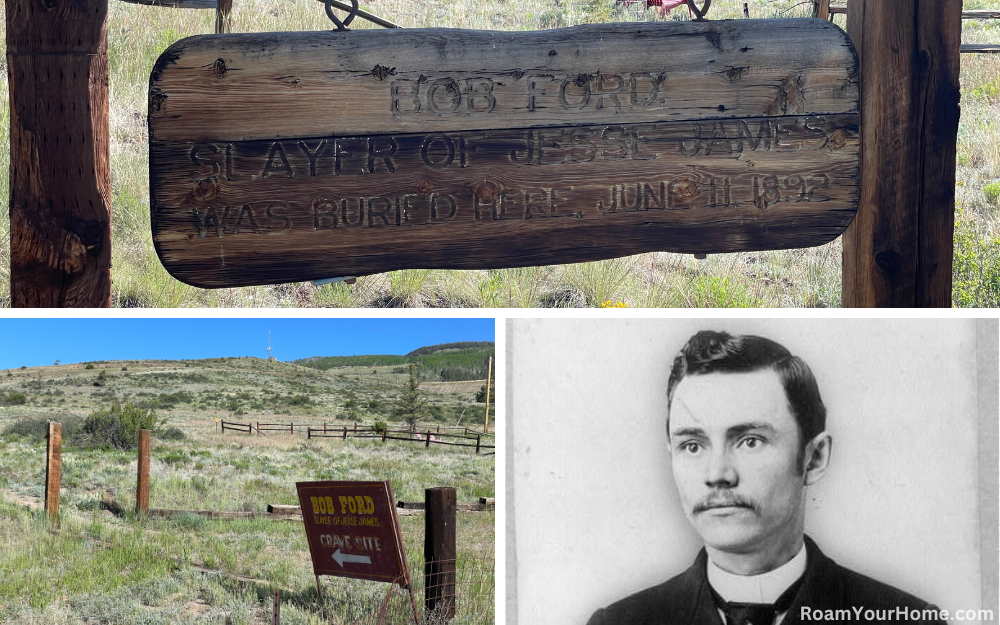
[383, 432]
[477, 442]
[821, 9]
[142, 484]
[60, 177]
[428, 443]
[898, 251]
[345, 432]
[53, 467]
[277, 607]
[439, 551]
[489, 374]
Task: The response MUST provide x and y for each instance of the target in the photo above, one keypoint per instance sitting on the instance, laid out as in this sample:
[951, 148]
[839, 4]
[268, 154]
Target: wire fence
[448, 591]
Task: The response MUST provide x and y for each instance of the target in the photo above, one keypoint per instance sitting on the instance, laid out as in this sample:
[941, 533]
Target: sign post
[353, 531]
[282, 157]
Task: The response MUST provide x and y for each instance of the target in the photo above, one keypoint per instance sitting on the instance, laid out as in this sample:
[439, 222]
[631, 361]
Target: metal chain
[342, 25]
[699, 14]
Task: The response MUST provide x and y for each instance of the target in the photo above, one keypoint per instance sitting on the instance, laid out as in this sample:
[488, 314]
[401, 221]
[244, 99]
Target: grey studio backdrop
[910, 498]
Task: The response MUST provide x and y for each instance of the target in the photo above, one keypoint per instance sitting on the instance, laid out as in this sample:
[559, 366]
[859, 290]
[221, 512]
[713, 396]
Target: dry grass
[790, 278]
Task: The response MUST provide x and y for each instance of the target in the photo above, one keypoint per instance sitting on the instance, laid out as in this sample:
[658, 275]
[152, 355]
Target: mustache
[724, 500]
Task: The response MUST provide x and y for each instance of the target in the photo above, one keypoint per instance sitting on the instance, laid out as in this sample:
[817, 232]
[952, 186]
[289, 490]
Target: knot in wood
[219, 68]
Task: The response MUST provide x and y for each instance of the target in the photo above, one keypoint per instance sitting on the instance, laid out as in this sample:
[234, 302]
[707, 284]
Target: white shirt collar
[763, 588]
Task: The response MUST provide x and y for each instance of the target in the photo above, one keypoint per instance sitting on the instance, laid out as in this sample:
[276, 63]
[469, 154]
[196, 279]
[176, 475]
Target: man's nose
[720, 472]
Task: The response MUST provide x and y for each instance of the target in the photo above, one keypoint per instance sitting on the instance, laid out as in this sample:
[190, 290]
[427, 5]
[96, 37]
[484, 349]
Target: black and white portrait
[751, 471]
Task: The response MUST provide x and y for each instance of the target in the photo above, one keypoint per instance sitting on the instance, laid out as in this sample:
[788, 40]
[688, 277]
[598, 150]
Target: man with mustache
[746, 431]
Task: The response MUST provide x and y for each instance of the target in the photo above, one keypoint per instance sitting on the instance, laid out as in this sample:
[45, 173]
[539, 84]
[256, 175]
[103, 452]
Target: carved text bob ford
[297, 160]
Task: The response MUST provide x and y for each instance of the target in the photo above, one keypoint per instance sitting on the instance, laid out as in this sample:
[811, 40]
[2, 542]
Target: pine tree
[411, 406]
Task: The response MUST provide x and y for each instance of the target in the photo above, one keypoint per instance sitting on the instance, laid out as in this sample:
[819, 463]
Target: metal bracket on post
[342, 25]
[699, 14]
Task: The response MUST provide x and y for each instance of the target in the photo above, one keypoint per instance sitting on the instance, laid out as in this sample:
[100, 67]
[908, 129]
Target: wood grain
[898, 252]
[433, 150]
[60, 178]
[439, 551]
[142, 479]
[53, 469]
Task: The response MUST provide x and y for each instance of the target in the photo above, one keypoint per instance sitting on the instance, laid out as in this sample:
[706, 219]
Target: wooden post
[477, 442]
[223, 23]
[383, 432]
[428, 443]
[309, 433]
[60, 178]
[142, 484]
[898, 251]
[489, 374]
[291, 428]
[324, 427]
[439, 551]
[277, 606]
[345, 432]
[821, 9]
[53, 466]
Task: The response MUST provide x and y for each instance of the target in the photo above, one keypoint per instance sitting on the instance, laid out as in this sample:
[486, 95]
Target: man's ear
[817, 457]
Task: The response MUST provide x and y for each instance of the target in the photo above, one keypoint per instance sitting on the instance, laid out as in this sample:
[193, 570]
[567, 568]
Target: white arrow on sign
[340, 558]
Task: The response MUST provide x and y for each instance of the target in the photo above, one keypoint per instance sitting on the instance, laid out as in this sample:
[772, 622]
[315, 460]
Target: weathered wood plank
[292, 85]
[571, 145]
[980, 48]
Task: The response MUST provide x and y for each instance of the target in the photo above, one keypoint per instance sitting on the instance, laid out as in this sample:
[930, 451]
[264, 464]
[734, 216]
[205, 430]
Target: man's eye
[691, 447]
[751, 442]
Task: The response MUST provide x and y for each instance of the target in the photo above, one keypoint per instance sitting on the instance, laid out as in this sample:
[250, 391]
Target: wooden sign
[353, 530]
[291, 156]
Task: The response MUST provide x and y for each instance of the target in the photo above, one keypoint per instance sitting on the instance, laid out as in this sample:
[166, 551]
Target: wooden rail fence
[427, 436]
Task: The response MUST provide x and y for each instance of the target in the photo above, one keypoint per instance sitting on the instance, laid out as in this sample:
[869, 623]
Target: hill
[244, 388]
[447, 362]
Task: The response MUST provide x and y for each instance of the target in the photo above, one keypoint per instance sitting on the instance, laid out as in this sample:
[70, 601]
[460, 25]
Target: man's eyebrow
[743, 428]
[698, 432]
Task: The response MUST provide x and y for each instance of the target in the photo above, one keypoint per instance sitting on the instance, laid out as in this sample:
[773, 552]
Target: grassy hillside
[246, 389]
[105, 565]
[448, 362]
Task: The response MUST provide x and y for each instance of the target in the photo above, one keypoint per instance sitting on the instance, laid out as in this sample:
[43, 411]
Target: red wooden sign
[353, 530]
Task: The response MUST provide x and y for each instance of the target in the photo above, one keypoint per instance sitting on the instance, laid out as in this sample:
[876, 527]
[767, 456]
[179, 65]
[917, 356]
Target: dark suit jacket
[687, 600]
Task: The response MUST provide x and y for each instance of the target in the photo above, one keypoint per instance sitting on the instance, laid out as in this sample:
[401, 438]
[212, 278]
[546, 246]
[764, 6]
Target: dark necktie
[756, 613]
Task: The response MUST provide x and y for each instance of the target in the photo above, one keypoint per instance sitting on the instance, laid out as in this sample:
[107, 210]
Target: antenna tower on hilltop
[269, 356]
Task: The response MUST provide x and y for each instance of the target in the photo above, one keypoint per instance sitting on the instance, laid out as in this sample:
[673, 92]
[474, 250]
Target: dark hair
[721, 352]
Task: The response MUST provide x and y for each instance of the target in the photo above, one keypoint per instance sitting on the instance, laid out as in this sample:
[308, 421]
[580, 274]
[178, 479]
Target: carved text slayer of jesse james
[296, 156]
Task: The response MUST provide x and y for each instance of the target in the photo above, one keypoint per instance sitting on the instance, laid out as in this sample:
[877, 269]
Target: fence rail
[427, 436]
[965, 48]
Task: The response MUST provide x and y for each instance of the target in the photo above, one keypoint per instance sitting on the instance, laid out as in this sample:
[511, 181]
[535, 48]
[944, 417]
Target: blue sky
[34, 342]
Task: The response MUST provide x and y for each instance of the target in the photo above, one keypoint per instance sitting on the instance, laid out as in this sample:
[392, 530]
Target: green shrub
[119, 426]
[379, 426]
[37, 428]
[481, 394]
[172, 434]
[175, 457]
[89, 366]
[992, 192]
[300, 400]
[13, 398]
